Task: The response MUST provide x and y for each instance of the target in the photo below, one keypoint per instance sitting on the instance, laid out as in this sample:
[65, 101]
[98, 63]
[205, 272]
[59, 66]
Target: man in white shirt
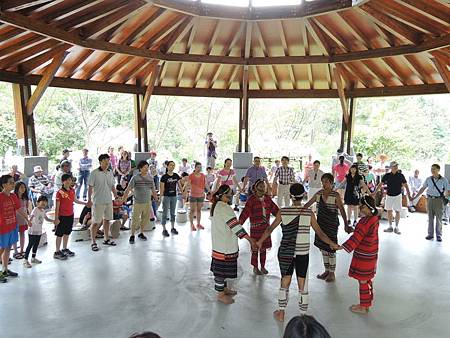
[314, 179]
[101, 185]
[415, 183]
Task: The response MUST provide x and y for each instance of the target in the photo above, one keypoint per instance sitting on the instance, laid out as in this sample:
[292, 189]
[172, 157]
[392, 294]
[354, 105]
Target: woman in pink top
[112, 158]
[197, 183]
[339, 172]
[228, 176]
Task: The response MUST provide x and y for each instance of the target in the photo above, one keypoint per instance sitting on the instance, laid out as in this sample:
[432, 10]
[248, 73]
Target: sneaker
[174, 231]
[390, 229]
[429, 238]
[26, 264]
[131, 239]
[142, 236]
[59, 255]
[3, 277]
[35, 261]
[10, 273]
[439, 238]
[68, 253]
[165, 233]
[397, 231]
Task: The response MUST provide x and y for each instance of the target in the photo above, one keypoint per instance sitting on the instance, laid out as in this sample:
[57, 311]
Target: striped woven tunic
[364, 242]
[327, 217]
[295, 226]
[225, 231]
[259, 210]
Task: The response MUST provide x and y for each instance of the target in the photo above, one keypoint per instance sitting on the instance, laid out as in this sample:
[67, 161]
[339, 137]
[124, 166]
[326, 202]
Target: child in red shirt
[9, 205]
[364, 244]
[65, 198]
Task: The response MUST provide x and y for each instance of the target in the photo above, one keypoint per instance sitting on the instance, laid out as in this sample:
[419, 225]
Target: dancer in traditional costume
[258, 208]
[225, 231]
[294, 248]
[364, 244]
[328, 202]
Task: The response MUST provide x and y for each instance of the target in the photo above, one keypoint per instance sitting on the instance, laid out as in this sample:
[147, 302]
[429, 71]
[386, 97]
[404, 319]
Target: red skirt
[363, 268]
[256, 232]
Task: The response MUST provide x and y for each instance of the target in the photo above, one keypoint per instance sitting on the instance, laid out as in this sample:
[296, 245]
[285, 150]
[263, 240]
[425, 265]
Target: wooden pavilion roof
[321, 48]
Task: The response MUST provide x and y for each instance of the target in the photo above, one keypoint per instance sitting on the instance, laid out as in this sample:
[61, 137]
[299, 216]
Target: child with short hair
[119, 212]
[183, 190]
[64, 215]
[35, 231]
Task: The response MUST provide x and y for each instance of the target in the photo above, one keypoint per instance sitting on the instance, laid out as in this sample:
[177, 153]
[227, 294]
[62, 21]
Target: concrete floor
[165, 285]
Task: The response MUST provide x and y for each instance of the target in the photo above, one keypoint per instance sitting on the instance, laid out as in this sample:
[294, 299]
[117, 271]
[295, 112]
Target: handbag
[444, 199]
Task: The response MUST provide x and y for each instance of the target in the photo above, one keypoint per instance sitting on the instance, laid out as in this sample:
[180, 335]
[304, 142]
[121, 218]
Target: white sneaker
[397, 231]
[26, 264]
[390, 229]
[35, 261]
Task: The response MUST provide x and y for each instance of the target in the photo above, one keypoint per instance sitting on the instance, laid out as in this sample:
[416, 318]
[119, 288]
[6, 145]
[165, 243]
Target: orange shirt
[198, 184]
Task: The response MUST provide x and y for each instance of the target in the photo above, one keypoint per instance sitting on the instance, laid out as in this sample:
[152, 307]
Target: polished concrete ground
[165, 285]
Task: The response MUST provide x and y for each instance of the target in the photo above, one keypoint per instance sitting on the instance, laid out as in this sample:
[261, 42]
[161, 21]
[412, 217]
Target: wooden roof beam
[341, 92]
[393, 26]
[35, 62]
[17, 5]
[432, 10]
[45, 81]
[438, 88]
[306, 9]
[150, 87]
[442, 68]
[318, 36]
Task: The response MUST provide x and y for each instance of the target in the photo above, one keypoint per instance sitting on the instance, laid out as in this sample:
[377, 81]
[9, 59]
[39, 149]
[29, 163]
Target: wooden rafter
[355, 29]
[307, 93]
[45, 81]
[336, 42]
[432, 10]
[318, 36]
[17, 5]
[177, 35]
[341, 92]
[150, 86]
[35, 62]
[25, 54]
[393, 26]
[442, 68]
[74, 39]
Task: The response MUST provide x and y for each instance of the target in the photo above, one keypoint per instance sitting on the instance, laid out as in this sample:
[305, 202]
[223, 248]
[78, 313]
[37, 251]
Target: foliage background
[412, 130]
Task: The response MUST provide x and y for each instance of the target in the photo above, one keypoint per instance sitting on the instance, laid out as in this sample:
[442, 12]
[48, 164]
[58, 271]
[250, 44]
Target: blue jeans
[169, 202]
[83, 178]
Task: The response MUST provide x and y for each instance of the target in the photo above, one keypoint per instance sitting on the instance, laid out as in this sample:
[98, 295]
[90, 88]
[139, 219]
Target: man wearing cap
[394, 182]
[40, 185]
[65, 154]
[84, 170]
[438, 190]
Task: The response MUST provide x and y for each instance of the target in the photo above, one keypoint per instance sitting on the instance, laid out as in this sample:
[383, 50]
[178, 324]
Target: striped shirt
[285, 175]
[296, 223]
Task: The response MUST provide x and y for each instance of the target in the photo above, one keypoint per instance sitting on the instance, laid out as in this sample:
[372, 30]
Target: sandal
[109, 242]
[18, 256]
[359, 309]
[94, 247]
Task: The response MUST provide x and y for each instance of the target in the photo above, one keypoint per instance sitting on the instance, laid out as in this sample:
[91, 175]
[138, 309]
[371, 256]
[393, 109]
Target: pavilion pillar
[25, 131]
[351, 124]
[243, 113]
[140, 125]
[343, 134]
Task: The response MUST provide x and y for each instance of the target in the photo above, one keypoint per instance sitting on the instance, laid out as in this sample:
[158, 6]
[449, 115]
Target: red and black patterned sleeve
[358, 235]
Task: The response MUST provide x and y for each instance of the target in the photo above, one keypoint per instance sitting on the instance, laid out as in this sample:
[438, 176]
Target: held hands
[89, 204]
[253, 244]
[335, 246]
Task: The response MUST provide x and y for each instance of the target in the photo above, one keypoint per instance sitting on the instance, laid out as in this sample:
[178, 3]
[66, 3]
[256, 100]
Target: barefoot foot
[330, 277]
[193, 227]
[223, 298]
[264, 271]
[256, 271]
[356, 308]
[323, 276]
[279, 315]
